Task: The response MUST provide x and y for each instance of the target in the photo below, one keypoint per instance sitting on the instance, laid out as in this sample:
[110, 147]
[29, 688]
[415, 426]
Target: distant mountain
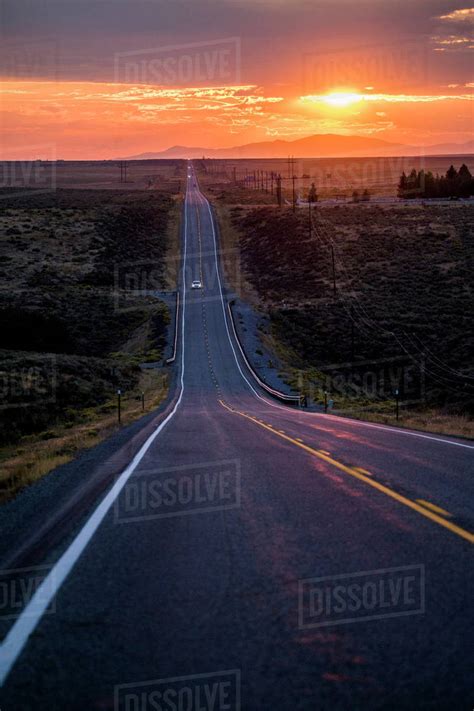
[320, 146]
[173, 152]
[453, 149]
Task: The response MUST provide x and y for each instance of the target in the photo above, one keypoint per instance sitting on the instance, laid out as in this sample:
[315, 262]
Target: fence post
[119, 405]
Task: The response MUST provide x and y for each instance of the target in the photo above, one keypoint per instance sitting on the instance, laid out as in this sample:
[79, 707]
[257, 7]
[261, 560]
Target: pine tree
[422, 184]
[413, 184]
[452, 173]
[431, 189]
[465, 181]
[402, 185]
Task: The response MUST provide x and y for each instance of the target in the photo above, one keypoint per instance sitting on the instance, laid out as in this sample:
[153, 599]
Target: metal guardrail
[176, 321]
[276, 393]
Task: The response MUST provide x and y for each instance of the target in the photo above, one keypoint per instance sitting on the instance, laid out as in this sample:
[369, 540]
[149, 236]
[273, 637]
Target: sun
[342, 98]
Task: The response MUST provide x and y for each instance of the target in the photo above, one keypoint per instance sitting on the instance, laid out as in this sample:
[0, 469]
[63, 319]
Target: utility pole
[123, 171]
[333, 269]
[278, 189]
[294, 193]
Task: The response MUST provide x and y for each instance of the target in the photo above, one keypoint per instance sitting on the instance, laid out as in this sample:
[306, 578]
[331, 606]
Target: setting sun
[342, 99]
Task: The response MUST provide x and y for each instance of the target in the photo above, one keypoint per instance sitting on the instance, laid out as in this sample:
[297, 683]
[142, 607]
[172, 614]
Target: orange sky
[87, 98]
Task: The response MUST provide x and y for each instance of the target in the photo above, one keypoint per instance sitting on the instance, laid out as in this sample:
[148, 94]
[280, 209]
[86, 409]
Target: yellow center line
[433, 507]
[200, 244]
[363, 471]
[357, 474]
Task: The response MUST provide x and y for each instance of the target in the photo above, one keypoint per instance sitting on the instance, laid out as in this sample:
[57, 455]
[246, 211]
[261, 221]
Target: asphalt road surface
[252, 555]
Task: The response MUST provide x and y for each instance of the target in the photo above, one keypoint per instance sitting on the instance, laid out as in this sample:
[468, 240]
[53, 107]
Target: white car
[196, 284]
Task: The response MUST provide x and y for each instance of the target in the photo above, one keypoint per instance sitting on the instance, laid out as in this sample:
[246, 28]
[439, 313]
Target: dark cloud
[275, 34]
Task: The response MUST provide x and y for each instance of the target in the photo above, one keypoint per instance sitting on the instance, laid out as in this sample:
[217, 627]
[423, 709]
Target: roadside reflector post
[143, 402]
[119, 406]
[325, 401]
[397, 405]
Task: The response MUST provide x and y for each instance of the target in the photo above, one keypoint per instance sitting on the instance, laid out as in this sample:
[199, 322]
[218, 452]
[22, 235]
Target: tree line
[421, 184]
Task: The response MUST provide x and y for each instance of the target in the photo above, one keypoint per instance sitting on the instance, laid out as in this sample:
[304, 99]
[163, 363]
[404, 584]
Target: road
[255, 556]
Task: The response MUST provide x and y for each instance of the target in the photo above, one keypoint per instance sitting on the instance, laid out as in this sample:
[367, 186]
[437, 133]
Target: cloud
[226, 105]
[389, 98]
[452, 43]
[465, 15]
[452, 40]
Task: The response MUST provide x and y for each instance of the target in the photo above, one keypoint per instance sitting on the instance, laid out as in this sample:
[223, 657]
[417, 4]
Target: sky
[106, 78]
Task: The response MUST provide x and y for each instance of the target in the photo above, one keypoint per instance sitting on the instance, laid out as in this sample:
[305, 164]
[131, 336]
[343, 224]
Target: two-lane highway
[317, 562]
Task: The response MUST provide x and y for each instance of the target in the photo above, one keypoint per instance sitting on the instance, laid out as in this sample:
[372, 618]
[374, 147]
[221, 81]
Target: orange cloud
[86, 120]
[464, 15]
[344, 99]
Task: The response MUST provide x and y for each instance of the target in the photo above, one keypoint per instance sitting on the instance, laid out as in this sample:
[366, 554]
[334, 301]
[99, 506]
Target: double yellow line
[359, 474]
[200, 242]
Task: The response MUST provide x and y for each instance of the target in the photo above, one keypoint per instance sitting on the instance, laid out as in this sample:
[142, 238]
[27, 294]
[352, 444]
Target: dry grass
[267, 246]
[36, 455]
[173, 240]
[101, 175]
[230, 257]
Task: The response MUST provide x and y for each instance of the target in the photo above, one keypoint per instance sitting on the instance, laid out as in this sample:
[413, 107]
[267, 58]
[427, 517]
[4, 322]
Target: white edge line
[176, 331]
[222, 302]
[263, 399]
[18, 635]
[267, 388]
[387, 428]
